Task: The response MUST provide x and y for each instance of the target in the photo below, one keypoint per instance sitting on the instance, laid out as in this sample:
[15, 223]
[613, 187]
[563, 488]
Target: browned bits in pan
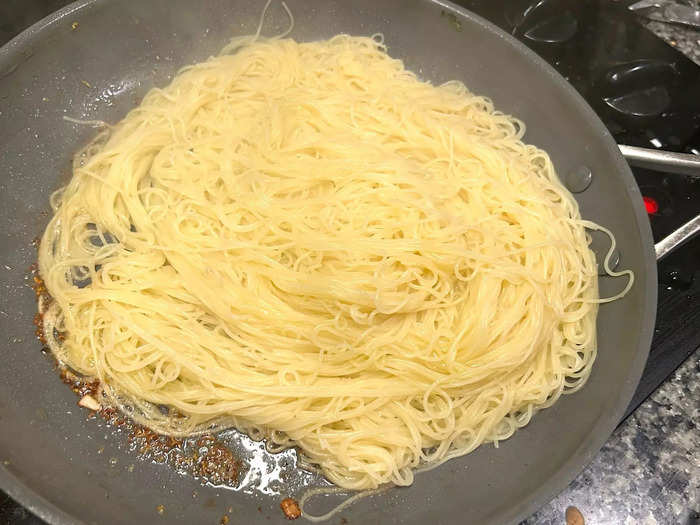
[38, 283]
[82, 387]
[290, 508]
[216, 463]
[43, 296]
[204, 457]
[39, 328]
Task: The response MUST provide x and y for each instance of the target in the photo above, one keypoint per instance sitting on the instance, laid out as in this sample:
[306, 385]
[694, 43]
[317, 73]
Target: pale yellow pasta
[306, 242]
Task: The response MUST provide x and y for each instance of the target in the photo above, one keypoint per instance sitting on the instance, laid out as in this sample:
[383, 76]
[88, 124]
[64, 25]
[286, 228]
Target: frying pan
[95, 59]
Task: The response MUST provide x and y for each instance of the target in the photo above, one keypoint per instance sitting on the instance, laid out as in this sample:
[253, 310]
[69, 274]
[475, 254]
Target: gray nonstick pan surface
[68, 469]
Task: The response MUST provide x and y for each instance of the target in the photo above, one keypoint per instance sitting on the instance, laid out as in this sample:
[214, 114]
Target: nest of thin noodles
[307, 243]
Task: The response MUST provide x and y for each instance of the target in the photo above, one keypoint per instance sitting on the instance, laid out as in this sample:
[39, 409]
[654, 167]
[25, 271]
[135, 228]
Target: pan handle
[668, 161]
[678, 237]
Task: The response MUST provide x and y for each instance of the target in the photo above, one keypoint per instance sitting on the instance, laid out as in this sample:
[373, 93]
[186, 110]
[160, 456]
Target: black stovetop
[645, 91]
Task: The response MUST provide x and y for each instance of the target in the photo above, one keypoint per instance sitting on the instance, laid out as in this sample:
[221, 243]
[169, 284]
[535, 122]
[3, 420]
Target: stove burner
[554, 30]
[542, 21]
[641, 88]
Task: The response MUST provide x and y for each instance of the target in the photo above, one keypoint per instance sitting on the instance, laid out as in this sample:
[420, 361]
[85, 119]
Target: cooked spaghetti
[308, 243]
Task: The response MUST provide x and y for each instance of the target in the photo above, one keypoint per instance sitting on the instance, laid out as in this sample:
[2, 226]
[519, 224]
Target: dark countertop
[685, 39]
[648, 472]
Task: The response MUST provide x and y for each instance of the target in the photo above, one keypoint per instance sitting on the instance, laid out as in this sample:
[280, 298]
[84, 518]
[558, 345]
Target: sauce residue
[204, 457]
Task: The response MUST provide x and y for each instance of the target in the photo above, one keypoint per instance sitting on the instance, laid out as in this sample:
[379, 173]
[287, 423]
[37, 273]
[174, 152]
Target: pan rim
[596, 436]
[32, 500]
[600, 433]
